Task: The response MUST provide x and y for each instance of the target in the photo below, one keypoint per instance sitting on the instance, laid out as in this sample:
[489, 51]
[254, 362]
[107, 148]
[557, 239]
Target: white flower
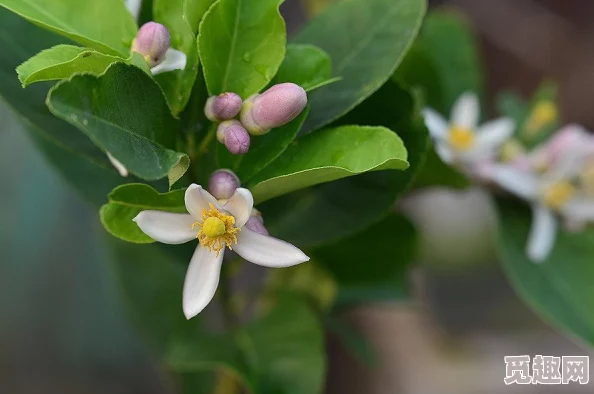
[216, 226]
[173, 60]
[461, 141]
[118, 165]
[557, 186]
[134, 7]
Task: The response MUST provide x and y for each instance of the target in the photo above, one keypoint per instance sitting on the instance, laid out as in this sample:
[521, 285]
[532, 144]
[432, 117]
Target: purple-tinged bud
[222, 107]
[234, 136]
[152, 41]
[223, 183]
[256, 223]
[275, 107]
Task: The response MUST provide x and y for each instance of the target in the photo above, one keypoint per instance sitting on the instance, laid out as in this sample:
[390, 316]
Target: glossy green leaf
[195, 11]
[62, 61]
[305, 65]
[366, 40]
[560, 289]
[124, 113]
[263, 150]
[333, 211]
[178, 84]
[127, 201]
[72, 153]
[104, 25]
[387, 250]
[241, 45]
[330, 155]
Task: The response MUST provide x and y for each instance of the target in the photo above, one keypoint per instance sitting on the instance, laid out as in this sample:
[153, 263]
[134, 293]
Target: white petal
[580, 209]
[444, 152]
[198, 199]
[267, 251]
[437, 125]
[494, 133]
[134, 7]
[118, 165]
[523, 184]
[174, 60]
[166, 227]
[466, 111]
[202, 279]
[240, 206]
[542, 234]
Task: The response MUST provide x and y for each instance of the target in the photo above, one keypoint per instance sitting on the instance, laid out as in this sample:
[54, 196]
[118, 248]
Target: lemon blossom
[216, 226]
[461, 141]
[555, 188]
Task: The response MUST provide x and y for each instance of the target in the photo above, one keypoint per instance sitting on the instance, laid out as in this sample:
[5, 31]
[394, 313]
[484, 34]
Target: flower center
[217, 230]
[544, 113]
[587, 178]
[559, 193]
[461, 138]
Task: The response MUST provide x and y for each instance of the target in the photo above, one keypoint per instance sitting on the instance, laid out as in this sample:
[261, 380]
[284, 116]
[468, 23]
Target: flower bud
[152, 41]
[256, 223]
[223, 183]
[275, 107]
[222, 107]
[234, 136]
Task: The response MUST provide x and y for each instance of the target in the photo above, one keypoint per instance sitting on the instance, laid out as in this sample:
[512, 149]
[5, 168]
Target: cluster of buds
[258, 114]
[222, 185]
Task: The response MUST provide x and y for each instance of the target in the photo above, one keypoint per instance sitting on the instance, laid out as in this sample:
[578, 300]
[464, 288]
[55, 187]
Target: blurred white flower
[134, 7]
[461, 141]
[555, 179]
[216, 226]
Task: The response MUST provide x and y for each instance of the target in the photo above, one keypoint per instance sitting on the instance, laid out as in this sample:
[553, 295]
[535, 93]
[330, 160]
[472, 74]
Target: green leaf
[178, 84]
[72, 153]
[387, 248]
[330, 155]
[263, 150]
[305, 65]
[333, 211]
[62, 61]
[127, 201]
[104, 25]
[366, 40]
[124, 113]
[241, 45]
[560, 289]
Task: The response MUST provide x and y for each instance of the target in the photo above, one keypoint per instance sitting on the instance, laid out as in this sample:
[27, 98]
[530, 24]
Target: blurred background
[63, 330]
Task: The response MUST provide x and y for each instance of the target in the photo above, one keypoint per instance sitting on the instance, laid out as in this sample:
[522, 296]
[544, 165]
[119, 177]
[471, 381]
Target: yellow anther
[558, 194]
[511, 150]
[217, 230]
[543, 114]
[461, 138]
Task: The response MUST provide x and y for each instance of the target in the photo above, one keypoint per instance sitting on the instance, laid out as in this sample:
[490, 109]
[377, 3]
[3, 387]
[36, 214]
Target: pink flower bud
[222, 184]
[256, 224]
[222, 107]
[152, 41]
[234, 136]
[275, 107]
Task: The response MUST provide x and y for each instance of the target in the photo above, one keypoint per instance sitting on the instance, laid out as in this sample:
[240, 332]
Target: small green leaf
[104, 25]
[62, 61]
[195, 11]
[387, 248]
[178, 84]
[127, 201]
[329, 155]
[263, 150]
[305, 65]
[560, 289]
[241, 45]
[366, 40]
[124, 113]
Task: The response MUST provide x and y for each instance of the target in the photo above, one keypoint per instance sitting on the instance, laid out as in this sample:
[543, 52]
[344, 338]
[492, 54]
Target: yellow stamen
[558, 194]
[217, 230]
[511, 150]
[543, 114]
[461, 138]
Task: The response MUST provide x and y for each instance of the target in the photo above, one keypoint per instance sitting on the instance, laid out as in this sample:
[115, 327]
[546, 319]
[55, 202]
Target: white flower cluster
[556, 177]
